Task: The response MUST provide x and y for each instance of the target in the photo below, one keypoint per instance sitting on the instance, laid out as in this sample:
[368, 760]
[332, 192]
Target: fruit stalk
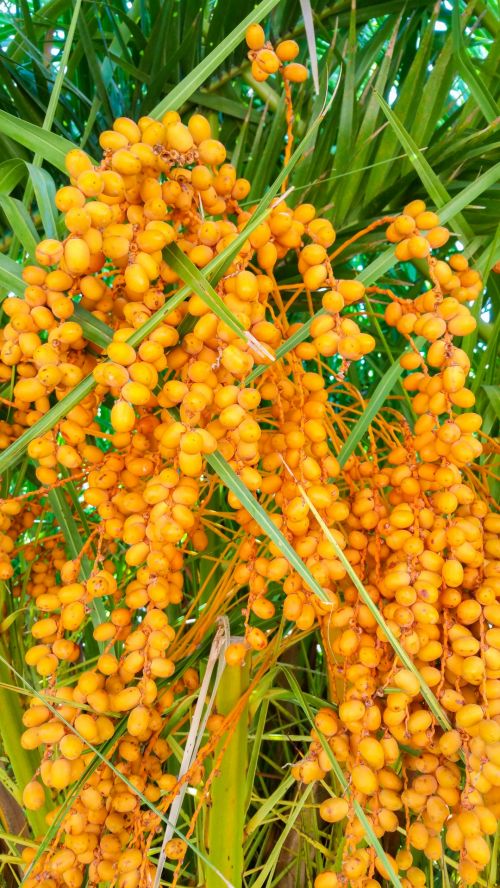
[23, 762]
[227, 812]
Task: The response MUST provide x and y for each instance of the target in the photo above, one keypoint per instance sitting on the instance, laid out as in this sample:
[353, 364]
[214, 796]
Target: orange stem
[386, 220]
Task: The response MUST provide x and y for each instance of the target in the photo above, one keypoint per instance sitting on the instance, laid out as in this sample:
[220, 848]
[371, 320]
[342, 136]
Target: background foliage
[71, 68]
